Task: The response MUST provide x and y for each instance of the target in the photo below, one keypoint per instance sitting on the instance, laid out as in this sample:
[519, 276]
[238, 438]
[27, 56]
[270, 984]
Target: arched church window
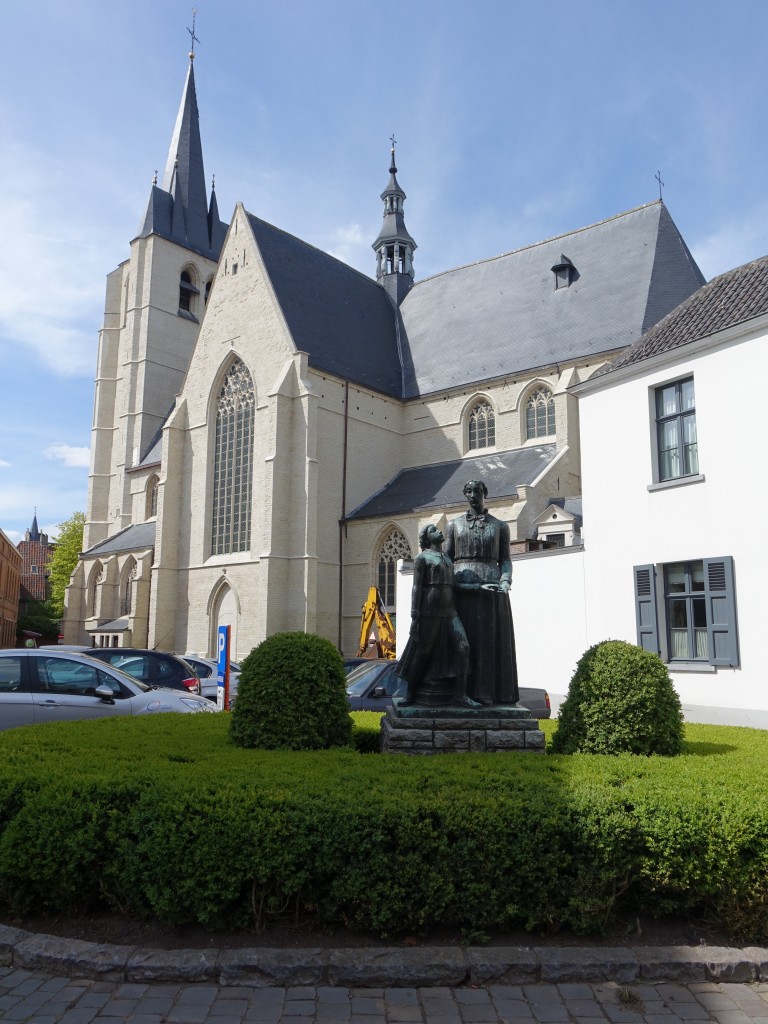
[126, 597]
[540, 413]
[393, 547]
[208, 284]
[481, 426]
[233, 462]
[187, 292]
[152, 490]
[97, 577]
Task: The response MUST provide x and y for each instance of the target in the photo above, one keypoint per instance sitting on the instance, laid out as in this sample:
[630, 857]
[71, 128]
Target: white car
[207, 671]
[60, 686]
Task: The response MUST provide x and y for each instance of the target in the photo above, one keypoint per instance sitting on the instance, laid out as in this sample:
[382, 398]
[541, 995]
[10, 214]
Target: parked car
[59, 686]
[372, 685]
[207, 671]
[156, 668]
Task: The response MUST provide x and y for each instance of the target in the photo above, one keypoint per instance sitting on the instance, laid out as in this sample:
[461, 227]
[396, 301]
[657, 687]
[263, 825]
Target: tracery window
[482, 426]
[152, 489]
[393, 547]
[540, 413]
[126, 598]
[233, 463]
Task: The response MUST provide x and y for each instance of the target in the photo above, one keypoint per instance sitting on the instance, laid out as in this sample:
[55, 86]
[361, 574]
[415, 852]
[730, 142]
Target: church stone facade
[272, 427]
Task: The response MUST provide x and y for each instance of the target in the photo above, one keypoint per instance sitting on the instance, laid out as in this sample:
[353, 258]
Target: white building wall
[625, 524]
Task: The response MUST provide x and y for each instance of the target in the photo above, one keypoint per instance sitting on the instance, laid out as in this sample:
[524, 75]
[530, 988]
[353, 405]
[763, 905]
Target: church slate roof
[133, 538]
[503, 315]
[730, 299]
[441, 485]
[179, 210]
[341, 318]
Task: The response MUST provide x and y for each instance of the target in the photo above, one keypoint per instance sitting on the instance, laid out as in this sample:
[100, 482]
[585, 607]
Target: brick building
[272, 428]
[35, 551]
[10, 572]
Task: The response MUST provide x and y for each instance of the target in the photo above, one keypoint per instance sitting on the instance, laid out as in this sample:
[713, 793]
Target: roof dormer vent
[565, 273]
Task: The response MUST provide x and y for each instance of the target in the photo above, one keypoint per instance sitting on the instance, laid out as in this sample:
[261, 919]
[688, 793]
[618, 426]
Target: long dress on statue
[478, 546]
[437, 649]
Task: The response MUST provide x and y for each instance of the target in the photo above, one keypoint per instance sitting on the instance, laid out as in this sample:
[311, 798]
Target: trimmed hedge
[165, 818]
[620, 700]
[292, 696]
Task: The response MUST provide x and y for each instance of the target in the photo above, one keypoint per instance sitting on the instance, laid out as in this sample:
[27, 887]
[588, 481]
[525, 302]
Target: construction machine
[377, 634]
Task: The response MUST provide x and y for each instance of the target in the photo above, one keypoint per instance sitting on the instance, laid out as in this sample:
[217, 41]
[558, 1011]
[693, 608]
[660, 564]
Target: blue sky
[515, 121]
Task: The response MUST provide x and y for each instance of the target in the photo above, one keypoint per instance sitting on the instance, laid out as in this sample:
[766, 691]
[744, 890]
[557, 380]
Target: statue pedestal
[430, 730]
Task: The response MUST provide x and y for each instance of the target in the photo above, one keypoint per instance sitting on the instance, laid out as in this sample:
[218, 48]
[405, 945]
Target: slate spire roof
[178, 209]
[34, 530]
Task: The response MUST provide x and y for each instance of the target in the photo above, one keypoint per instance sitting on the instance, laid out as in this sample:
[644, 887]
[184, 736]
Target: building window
[540, 413]
[482, 426]
[187, 292]
[233, 463]
[152, 490]
[126, 601]
[686, 611]
[393, 547]
[33, 569]
[676, 430]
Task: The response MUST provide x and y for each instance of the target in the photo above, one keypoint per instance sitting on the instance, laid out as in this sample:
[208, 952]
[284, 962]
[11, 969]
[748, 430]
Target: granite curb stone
[381, 967]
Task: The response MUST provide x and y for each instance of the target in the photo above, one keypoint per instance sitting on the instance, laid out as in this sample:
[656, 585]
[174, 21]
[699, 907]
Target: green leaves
[620, 699]
[292, 696]
[167, 818]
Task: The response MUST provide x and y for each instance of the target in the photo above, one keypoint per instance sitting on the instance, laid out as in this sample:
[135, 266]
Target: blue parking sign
[222, 668]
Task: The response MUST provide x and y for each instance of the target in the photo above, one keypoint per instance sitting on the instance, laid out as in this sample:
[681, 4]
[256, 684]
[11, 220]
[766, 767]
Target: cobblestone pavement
[28, 997]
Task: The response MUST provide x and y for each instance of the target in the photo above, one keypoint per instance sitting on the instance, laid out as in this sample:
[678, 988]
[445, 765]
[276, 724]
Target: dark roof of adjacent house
[730, 299]
[504, 315]
[571, 505]
[341, 318]
[441, 485]
[133, 538]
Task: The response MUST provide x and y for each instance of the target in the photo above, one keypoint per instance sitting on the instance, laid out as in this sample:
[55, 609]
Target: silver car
[60, 686]
[207, 671]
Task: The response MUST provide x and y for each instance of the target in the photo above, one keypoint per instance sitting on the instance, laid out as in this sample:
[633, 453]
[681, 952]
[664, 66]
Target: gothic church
[272, 428]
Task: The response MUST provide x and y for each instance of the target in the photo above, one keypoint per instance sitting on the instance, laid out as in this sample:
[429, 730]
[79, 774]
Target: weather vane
[192, 34]
[657, 176]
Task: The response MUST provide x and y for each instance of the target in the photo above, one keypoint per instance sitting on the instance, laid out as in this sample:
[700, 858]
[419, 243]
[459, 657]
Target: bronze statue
[434, 663]
[478, 545]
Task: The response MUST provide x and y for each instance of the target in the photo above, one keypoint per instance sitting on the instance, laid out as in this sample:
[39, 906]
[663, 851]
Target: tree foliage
[69, 544]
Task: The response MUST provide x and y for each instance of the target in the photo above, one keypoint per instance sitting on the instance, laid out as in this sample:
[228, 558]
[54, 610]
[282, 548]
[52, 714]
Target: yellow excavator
[377, 634]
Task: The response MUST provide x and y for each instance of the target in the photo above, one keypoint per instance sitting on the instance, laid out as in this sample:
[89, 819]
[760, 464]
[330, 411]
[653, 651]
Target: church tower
[154, 305]
[394, 247]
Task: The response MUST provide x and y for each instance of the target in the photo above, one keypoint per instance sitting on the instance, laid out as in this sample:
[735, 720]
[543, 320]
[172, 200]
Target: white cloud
[350, 245]
[4, 464]
[53, 266]
[732, 244]
[76, 458]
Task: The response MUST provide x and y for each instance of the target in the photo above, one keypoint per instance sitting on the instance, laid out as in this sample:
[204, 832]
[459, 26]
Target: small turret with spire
[394, 247]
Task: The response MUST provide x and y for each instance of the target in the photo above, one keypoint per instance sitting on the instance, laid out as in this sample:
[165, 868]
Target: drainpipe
[342, 521]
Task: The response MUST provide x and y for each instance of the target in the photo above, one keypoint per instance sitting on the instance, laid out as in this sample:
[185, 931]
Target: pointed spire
[178, 209]
[33, 533]
[394, 247]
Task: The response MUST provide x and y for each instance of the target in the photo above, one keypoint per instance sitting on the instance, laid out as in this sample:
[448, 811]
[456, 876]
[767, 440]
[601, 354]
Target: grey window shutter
[645, 608]
[721, 611]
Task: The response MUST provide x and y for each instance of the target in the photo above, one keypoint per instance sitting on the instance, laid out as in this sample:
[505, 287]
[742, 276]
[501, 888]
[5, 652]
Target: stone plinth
[427, 730]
